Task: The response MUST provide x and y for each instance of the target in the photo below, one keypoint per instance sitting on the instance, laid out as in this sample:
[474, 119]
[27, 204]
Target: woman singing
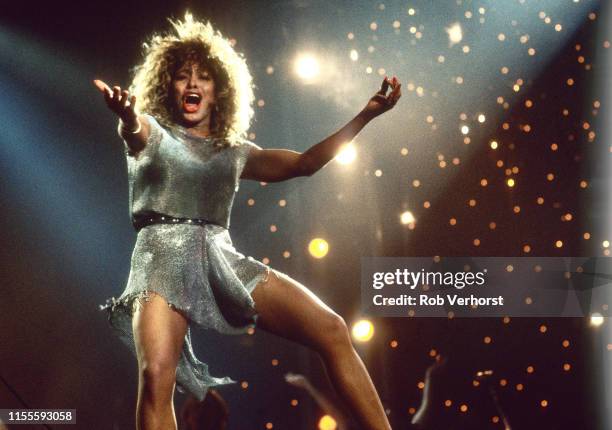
[183, 122]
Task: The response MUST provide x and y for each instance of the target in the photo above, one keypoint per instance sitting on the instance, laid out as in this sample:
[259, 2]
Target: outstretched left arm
[275, 165]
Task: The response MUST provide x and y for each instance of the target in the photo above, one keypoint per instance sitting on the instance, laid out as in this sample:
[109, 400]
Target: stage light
[318, 247]
[455, 34]
[354, 55]
[596, 319]
[363, 331]
[465, 129]
[407, 218]
[327, 422]
[307, 67]
[347, 154]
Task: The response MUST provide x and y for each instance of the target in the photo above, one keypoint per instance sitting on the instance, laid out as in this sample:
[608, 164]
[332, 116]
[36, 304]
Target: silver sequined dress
[195, 268]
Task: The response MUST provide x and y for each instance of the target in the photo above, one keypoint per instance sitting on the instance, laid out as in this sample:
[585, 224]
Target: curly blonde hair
[192, 41]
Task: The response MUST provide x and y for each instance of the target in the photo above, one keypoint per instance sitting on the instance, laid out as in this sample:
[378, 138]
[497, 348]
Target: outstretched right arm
[133, 128]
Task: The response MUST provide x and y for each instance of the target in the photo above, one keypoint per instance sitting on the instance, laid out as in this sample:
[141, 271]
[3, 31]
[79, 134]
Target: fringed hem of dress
[203, 278]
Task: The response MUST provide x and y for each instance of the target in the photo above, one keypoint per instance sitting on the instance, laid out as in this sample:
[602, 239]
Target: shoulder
[246, 145]
[247, 150]
[240, 147]
[154, 123]
[244, 150]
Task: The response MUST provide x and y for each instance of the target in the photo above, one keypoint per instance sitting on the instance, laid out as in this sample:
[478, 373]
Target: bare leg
[288, 309]
[159, 333]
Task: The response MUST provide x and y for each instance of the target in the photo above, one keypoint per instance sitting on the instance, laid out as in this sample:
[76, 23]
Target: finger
[129, 113]
[397, 93]
[384, 87]
[125, 96]
[116, 93]
[395, 89]
[100, 85]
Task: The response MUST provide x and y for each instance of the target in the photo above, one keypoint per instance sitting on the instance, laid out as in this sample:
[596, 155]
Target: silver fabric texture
[196, 269]
[184, 176]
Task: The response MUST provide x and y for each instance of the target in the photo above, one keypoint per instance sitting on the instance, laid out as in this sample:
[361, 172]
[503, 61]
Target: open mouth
[191, 102]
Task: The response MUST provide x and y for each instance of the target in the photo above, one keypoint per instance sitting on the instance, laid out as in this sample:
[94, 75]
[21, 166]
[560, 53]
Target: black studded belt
[144, 219]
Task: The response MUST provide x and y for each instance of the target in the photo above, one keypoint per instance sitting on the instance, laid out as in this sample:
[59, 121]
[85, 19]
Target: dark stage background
[66, 236]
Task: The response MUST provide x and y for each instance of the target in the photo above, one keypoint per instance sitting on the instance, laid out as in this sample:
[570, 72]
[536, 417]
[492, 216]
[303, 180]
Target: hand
[382, 102]
[296, 380]
[120, 102]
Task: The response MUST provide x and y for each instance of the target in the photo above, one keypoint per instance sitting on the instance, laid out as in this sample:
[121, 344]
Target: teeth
[192, 98]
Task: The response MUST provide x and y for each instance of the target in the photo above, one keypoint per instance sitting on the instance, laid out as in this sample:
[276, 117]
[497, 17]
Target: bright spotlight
[363, 331]
[354, 55]
[407, 218]
[318, 247]
[327, 422]
[455, 34]
[465, 129]
[347, 154]
[596, 319]
[307, 67]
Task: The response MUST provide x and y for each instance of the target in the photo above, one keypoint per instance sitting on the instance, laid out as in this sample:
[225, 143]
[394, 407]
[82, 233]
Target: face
[193, 91]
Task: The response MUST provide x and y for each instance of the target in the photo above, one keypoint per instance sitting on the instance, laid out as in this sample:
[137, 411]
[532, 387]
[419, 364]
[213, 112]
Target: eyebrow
[188, 70]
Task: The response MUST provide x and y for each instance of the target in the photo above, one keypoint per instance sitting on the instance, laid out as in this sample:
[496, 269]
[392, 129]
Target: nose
[192, 79]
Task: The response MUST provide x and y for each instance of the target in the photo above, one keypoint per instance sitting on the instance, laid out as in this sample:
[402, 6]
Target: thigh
[288, 309]
[159, 332]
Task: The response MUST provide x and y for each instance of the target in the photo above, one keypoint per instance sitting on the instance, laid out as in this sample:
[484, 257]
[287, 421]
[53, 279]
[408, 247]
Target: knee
[157, 376]
[334, 331]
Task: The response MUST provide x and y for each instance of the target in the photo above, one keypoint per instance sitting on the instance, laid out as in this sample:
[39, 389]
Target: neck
[198, 130]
